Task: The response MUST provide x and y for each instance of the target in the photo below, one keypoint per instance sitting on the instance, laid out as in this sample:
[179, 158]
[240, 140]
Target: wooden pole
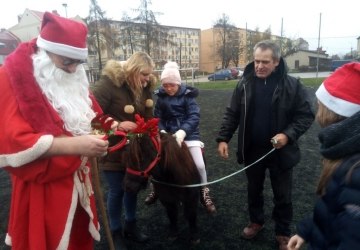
[99, 196]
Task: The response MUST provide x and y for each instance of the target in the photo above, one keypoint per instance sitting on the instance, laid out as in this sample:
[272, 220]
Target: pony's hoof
[173, 233]
[195, 242]
[172, 237]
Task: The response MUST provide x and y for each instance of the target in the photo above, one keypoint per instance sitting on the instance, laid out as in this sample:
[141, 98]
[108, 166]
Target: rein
[215, 181]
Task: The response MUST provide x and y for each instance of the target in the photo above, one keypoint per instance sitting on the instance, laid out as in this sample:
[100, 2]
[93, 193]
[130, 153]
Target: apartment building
[211, 39]
[165, 43]
[210, 61]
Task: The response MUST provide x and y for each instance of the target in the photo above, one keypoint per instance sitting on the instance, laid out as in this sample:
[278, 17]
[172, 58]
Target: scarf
[341, 139]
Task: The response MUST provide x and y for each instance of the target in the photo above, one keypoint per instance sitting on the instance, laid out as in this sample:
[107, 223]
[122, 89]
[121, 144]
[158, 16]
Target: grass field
[221, 231]
[309, 82]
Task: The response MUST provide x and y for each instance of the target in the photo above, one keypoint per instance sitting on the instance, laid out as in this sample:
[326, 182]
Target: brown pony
[174, 167]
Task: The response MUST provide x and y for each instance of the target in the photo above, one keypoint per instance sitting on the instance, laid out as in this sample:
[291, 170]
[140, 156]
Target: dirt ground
[220, 231]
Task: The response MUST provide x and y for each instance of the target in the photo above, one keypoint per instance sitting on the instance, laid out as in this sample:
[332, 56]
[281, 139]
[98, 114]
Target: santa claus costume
[52, 203]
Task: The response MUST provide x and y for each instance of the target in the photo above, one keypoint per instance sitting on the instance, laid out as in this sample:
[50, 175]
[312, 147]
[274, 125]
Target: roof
[315, 52]
[8, 42]
[38, 14]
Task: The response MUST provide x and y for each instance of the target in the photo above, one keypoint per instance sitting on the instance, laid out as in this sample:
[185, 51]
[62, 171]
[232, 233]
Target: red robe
[50, 208]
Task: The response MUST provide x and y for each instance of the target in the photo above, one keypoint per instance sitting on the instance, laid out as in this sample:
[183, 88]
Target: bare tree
[152, 35]
[126, 35]
[266, 35]
[253, 37]
[95, 14]
[294, 46]
[236, 47]
[287, 48]
[226, 34]
[101, 35]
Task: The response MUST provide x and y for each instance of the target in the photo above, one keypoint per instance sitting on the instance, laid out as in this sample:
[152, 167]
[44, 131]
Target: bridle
[150, 128]
[118, 145]
[145, 173]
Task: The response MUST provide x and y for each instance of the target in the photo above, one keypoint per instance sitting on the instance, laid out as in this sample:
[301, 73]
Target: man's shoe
[251, 230]
[206, 201]
[151, 198]
[282, 241]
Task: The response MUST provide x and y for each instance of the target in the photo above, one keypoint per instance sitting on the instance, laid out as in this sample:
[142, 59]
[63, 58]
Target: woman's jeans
[116, 197]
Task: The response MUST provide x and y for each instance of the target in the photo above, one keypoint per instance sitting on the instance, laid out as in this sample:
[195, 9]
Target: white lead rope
[215, 181]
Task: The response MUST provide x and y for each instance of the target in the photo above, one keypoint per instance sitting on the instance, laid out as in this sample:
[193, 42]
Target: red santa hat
[171, 73]
[340, 92]
[63, 36]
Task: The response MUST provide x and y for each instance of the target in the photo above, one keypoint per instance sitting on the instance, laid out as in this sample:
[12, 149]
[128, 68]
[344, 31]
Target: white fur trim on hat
[337, 105]
[171, 73]
[62, 49]
[340, 91]
[63, 36]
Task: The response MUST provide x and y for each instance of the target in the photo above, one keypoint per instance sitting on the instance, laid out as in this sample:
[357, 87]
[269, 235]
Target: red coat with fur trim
[48, 202]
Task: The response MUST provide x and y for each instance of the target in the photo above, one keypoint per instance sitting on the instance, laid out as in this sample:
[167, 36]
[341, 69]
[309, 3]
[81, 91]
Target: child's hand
[180, 136]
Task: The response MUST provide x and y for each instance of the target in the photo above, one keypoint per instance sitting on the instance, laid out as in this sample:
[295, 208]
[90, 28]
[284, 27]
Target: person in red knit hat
[46, 140]
[335, 222]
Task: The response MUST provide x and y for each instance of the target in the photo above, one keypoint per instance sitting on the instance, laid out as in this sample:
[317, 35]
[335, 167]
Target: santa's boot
[131, 231]
[206, 201]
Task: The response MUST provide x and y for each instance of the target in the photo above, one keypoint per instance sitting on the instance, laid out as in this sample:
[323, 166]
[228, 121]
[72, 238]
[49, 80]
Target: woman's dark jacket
[335, 223]
[179, 111]
[115, 97]
[292, 114]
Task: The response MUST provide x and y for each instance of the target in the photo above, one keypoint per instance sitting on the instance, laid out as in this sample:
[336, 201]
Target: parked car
[240, 72]
[223, 74]
[338, 63]
[234, 73]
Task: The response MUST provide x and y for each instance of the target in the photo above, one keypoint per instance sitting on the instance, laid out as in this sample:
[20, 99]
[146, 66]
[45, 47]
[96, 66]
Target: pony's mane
[177, 161]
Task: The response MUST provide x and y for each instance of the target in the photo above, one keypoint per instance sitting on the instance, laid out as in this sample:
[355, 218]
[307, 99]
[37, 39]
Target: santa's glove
[179, 136]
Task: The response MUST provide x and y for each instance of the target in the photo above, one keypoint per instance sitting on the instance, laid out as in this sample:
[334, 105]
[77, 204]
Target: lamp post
[65, 6]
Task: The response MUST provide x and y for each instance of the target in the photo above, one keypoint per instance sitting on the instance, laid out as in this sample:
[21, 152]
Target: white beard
[68, 93]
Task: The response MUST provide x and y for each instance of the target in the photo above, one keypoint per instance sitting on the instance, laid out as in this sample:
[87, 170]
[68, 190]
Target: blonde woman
[124, 89]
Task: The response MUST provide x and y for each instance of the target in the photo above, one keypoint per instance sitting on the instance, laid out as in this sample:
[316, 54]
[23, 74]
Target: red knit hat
[340, 92]
[63, 36]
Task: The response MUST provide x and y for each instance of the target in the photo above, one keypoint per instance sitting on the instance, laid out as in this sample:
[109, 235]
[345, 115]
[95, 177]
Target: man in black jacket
[270, 109]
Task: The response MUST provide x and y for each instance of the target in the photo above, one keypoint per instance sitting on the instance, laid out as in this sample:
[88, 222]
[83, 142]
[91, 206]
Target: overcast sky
[339, 27]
